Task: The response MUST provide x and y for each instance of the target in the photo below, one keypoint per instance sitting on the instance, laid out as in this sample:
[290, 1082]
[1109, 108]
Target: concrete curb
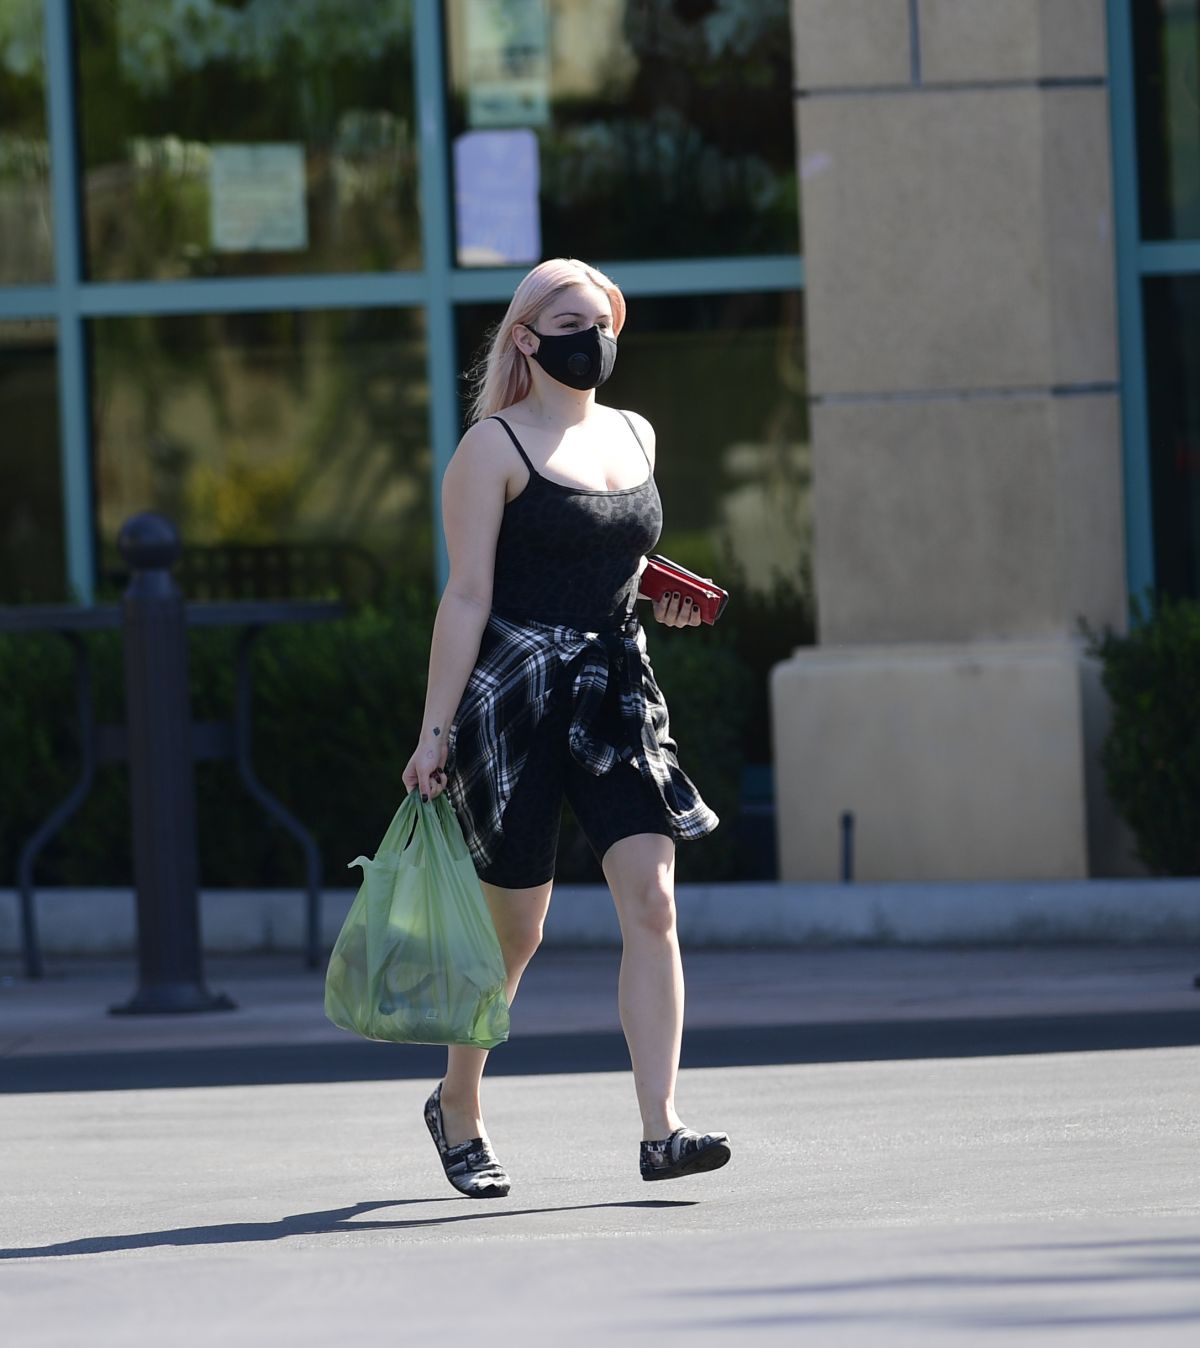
[1119, 912]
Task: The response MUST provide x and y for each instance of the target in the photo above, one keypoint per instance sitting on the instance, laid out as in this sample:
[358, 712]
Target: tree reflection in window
[667, 126]
[31, 510]
[26, 236]
[1166, 41]
[305, 428]
[162, 84]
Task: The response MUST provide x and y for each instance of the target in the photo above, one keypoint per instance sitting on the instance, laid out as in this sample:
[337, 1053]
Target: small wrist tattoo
[437, 729]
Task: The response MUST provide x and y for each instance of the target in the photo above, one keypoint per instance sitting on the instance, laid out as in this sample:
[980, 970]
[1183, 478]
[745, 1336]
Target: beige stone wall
[869, 43]
[850, 43]
[945, 755]
[967, 518]
[961, 325]
[957, 240]
[963, 40]
[959, 762]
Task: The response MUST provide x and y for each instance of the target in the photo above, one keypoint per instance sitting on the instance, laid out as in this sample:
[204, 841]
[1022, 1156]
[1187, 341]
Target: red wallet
[662, 574]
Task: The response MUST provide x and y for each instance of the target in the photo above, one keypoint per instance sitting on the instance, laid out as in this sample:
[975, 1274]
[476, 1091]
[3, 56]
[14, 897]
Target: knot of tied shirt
[610, 667]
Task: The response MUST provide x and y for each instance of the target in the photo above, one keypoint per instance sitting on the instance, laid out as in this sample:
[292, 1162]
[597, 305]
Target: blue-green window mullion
[436, 233]
[657, 276]
[1139, 522]
[1178, 257]
[74, 430]
[1136, 261]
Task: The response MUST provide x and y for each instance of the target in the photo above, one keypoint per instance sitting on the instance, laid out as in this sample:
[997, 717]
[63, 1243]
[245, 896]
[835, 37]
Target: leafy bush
[1152, 755]
[39, 747]
[337, 707]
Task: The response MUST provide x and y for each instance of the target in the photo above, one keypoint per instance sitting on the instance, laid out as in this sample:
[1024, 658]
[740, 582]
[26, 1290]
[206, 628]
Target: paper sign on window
[258, 199]
[508, 62]
[496, 197]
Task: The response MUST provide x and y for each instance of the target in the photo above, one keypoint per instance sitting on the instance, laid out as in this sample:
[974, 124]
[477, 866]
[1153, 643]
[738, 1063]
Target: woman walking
[539, 688]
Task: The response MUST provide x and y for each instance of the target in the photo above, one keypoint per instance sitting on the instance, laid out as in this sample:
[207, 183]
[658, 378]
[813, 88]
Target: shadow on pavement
[740, 1046]
[330, 1222]
[905, 1299]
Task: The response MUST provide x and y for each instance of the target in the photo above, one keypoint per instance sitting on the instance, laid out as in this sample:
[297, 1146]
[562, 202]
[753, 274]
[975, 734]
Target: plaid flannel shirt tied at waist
[509, 689]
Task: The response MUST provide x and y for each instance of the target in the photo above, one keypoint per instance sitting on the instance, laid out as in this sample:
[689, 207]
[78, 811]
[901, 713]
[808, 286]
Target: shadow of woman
[327, 1222]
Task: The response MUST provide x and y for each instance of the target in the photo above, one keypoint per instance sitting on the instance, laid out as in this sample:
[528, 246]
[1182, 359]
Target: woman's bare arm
[473, 492]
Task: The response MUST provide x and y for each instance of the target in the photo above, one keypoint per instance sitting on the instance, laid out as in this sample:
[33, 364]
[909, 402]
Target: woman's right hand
[426, 769]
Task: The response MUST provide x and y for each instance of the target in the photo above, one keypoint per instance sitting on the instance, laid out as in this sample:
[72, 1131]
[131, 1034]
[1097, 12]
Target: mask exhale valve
[580, 360]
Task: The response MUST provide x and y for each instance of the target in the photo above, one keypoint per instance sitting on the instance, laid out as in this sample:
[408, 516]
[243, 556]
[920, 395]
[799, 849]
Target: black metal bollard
[161, 768]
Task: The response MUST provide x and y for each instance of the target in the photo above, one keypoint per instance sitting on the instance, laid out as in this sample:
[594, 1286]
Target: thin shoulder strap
[637, 437]
[516, 442]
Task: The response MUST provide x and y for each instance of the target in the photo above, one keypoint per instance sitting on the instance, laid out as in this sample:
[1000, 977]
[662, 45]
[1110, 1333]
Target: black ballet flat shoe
[685, 1152]
[471, 1166]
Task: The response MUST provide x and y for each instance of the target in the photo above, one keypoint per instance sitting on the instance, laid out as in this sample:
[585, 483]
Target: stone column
[961, 325]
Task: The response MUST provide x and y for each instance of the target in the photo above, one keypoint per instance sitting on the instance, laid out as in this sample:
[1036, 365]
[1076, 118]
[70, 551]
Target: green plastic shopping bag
[417, 960]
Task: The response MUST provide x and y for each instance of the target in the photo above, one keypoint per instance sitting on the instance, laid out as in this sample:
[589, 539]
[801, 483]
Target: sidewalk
[939, 1197]
[100, 923]
[569, 992]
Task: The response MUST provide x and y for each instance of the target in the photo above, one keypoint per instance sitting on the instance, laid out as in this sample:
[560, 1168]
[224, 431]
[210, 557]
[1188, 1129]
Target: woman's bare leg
[518, 915]
[641, 874]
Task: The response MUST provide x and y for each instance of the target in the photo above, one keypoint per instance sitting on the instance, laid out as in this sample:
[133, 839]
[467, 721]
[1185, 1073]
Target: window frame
[1137, 259]
[437, 287]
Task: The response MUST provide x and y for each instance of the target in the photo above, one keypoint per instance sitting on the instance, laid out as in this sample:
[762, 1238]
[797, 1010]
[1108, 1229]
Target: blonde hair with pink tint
[502, 376]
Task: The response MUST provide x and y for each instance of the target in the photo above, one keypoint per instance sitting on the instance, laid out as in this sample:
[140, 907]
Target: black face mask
[578, 359]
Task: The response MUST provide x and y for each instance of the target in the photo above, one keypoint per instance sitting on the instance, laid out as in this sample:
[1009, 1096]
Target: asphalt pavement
[932, 1184]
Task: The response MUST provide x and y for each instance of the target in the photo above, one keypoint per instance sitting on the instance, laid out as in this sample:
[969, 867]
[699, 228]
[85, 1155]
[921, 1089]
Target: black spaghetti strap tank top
[570, 555]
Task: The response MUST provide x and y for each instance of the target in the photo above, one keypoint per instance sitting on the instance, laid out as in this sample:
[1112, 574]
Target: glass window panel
[621, 128]
[1172, 308]
[735, 473]
[302, 428]
[26, 240]
[251, 138]
[1167, 64]
[32, 546]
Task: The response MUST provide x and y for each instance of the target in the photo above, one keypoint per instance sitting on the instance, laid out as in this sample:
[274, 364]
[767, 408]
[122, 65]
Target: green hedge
[1151, 758]
[336, 710]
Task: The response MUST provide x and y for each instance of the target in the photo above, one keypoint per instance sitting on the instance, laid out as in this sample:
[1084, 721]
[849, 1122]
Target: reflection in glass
[1172, 308]
[32, 565]
[663, 129]
[302, 428]
[1167, 62]
[266, 137]
[26, 243]
[721, 377]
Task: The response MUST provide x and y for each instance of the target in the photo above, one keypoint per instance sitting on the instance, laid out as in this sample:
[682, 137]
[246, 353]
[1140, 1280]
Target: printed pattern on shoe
[471, 1166]
[685, 1152]
[474, 1160]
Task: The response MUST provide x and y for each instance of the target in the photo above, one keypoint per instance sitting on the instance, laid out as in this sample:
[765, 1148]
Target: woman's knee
[648, 908]
[518, 916]
[519, 941]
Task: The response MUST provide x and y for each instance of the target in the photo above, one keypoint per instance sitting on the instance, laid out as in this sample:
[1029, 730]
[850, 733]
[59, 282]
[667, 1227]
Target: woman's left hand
[673, 611]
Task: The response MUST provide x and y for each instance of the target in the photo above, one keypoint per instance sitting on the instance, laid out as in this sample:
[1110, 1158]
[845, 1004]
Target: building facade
[912, 299]
[995, 209]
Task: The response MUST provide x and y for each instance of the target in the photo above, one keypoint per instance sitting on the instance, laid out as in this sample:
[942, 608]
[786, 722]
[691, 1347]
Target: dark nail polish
[424, 797]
